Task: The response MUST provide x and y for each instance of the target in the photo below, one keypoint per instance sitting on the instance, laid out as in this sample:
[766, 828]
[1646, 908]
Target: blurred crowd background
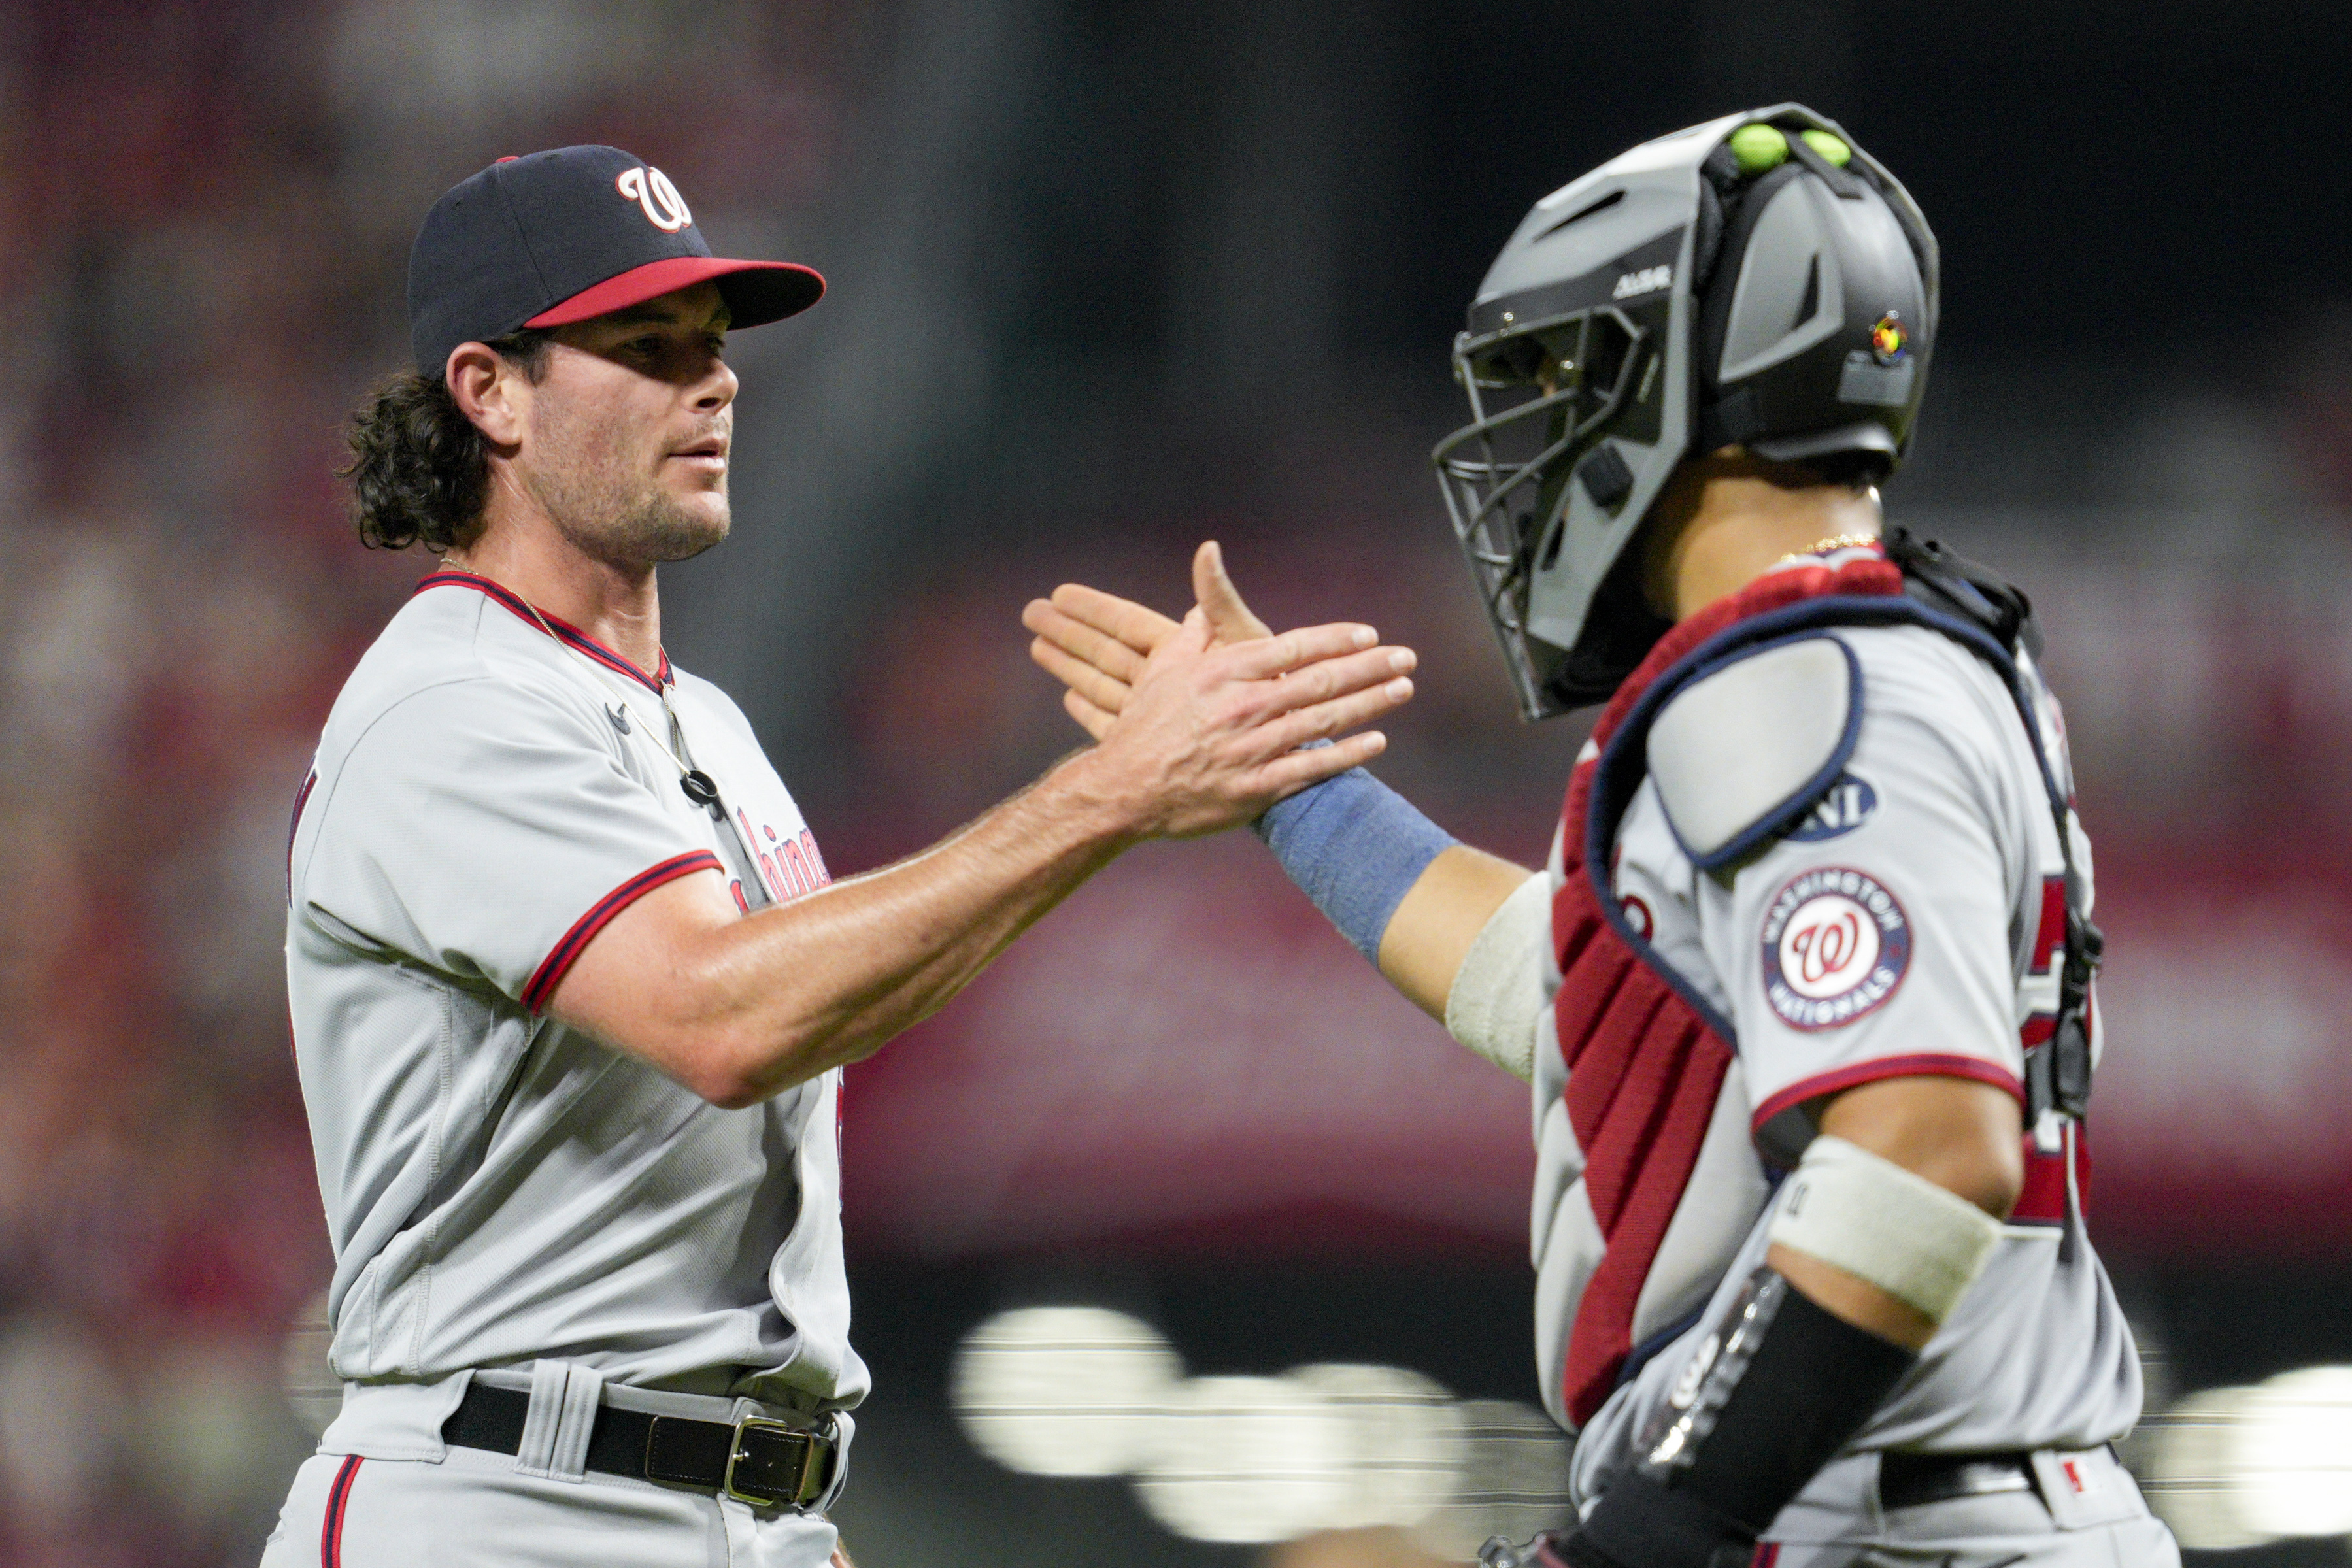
[1110, 278]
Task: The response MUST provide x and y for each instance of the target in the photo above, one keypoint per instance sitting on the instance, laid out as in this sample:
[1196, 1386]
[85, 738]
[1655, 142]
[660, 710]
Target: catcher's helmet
[1757, 280]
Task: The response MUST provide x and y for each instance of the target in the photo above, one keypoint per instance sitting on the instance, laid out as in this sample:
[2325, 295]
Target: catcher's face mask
[1753, 280]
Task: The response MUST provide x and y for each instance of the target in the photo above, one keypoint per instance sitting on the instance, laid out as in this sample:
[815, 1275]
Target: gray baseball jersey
[1910, 925]
[490, 790]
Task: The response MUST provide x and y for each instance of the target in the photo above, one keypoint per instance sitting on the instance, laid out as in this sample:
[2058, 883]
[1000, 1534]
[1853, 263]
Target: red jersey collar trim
[522, 610]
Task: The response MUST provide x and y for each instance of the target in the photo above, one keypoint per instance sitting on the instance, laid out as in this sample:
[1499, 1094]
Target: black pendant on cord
[700, 789]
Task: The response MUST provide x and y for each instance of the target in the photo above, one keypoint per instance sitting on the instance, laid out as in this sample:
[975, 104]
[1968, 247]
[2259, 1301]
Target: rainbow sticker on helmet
[1888, 341]
[1836, 946]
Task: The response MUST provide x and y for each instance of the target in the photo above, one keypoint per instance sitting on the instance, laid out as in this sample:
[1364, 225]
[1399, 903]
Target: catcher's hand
[1095, 642]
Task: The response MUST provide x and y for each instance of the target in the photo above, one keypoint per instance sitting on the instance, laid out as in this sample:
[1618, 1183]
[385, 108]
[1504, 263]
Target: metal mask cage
[1504, 474]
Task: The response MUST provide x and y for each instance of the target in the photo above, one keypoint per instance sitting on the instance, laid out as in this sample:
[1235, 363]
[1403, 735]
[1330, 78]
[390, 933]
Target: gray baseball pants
[472, 1508]
[2094, 1518]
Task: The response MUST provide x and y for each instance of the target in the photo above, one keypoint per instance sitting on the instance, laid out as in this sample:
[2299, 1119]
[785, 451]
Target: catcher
[1804, 992]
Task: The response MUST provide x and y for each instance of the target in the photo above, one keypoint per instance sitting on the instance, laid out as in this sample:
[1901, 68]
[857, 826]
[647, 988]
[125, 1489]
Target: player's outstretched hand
[1095, 643]
[1206, 735]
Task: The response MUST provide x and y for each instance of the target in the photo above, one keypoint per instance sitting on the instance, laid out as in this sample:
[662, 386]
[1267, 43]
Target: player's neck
[520, 548]
[1725, 521]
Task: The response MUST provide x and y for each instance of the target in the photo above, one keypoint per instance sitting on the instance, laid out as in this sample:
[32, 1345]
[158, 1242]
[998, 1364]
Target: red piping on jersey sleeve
[1871, 1071]
[559, 959]
[294, 826]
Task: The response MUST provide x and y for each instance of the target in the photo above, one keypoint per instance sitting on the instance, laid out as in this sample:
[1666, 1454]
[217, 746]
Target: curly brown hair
[420, 470]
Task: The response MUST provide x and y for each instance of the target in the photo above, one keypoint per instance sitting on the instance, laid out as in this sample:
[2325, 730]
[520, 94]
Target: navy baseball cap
[560, 236]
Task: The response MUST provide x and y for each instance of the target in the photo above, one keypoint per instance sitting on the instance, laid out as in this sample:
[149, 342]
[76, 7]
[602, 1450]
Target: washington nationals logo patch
[1836, 945]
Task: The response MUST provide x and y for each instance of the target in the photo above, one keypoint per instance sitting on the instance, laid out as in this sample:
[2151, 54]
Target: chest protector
[1647, 1055]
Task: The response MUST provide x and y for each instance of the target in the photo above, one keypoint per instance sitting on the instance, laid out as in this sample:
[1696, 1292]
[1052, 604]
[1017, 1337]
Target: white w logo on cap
[651, 189]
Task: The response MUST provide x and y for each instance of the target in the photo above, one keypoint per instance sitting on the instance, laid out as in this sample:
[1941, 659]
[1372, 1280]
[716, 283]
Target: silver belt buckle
[764, 1470]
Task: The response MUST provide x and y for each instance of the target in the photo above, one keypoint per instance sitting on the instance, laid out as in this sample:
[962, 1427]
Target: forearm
[756, 1005]
[1439, 918]
[831, 979]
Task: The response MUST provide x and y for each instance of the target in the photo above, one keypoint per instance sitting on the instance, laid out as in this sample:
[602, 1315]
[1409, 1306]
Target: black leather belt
[1909, 1480]
[765, 1463]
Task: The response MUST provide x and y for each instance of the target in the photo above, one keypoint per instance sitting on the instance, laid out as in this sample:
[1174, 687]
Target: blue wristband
[1355, 846]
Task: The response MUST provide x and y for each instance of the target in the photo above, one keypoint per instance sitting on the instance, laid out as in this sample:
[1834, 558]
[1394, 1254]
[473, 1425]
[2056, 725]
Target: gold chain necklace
[1835, 542]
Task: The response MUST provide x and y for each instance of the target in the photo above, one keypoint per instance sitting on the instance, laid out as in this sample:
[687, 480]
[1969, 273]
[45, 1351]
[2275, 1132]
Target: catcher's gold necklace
[1835, 542]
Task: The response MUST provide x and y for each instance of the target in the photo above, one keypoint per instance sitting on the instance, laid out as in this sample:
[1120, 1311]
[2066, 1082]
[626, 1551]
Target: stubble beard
[621, 518]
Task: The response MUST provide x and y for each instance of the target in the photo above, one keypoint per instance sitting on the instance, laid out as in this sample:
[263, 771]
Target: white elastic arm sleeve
[1901, 1232]
[1498, 992]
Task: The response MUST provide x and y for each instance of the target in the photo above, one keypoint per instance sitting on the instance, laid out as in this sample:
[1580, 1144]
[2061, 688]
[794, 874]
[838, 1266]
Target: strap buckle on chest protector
[2058, 1070]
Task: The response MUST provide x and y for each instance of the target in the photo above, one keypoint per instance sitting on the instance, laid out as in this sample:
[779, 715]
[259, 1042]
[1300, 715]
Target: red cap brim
[757, 292]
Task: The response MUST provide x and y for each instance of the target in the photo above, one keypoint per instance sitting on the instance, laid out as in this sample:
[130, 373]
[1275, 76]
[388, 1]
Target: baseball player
[571, 985]
[1804, 991]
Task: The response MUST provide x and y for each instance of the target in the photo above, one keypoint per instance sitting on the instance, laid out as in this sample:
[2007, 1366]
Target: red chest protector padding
[1644, 1064]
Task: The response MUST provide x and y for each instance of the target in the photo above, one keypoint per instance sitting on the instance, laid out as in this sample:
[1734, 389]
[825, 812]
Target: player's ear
[490, 391]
